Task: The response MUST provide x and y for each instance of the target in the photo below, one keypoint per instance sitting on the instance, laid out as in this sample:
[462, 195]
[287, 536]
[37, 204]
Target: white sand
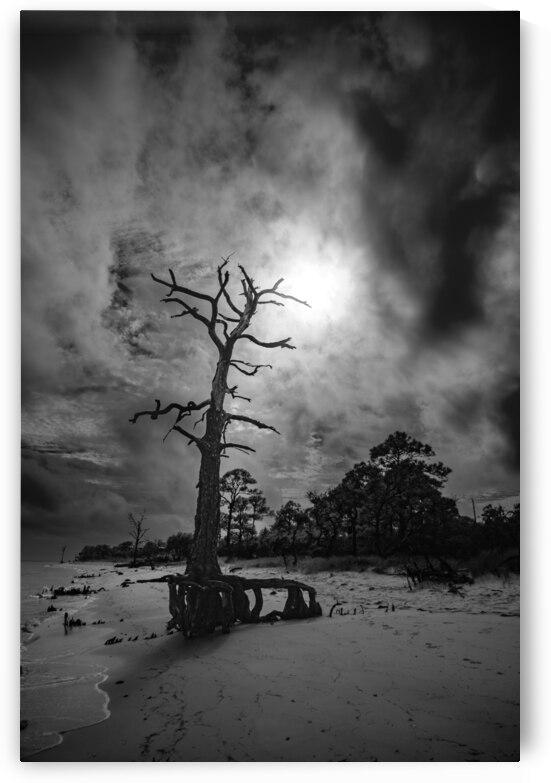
[435, 680]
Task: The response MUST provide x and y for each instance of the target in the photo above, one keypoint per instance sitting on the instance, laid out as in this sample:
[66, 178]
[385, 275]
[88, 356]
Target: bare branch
[256, 367]
[273, 290]
[173, 285]
[229, 318]
[227, 297]
[238, 446]
[288, 296]
[277, 344]
[192, 438]
[232, 391]
[259, 424]
[249, 280]
[187, 310]
[272, 301]
[224, 327]
[201, 419]
[184, 410]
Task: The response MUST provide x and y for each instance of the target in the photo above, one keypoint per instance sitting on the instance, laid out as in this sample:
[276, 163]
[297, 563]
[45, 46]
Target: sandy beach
[392, 675]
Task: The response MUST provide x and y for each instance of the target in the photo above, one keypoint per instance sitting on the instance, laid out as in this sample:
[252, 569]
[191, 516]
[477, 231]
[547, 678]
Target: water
[60, 682]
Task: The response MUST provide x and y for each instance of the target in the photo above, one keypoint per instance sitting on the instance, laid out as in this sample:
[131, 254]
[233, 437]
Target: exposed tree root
[197, 608]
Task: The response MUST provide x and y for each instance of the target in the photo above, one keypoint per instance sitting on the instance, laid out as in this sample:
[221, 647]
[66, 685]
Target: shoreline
[60, 669]
[435, 680]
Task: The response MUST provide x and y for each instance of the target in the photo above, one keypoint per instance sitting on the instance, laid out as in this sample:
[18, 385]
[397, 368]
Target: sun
[326, 287]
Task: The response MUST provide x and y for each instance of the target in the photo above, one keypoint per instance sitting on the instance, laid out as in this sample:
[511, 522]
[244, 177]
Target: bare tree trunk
[228, 531]
[203, 560]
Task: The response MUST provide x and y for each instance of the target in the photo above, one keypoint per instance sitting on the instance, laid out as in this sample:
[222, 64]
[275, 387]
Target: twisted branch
[257, 367]
[184, 410]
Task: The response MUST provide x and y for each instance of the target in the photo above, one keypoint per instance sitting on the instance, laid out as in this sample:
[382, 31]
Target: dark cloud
[447, 97]
[34, 493]
[461, 226]
[388, 140]
[508, 417]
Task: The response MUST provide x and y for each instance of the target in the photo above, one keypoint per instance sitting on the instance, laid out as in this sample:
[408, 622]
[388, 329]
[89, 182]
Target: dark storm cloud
[36, 494]
[428, 210]
[507, 415]
[387, 140]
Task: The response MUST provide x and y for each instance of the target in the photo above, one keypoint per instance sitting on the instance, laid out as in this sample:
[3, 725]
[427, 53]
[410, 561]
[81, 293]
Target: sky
[369, 159]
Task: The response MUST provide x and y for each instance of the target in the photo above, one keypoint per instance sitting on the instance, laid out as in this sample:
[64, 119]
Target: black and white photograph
[270, 386]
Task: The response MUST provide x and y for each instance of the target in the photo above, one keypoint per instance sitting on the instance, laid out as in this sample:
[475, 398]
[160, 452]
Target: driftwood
[85, 590]
[201, 607]
[442, 573]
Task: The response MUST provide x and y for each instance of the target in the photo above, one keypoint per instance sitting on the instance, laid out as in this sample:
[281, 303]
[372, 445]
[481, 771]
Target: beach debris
[342, 611]
[455, 590]
[113, 640]
[441, 572]
[51, 608]
[84, 590]
[334, 607]
[71, 622]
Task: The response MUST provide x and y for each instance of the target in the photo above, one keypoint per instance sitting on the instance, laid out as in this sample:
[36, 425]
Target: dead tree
[203, 598]
[137, 533]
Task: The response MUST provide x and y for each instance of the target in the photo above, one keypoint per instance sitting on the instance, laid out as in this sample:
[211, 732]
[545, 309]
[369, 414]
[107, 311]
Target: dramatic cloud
[369, 159]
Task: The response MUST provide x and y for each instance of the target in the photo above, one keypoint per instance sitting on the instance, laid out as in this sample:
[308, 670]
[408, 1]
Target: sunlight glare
[326, 288]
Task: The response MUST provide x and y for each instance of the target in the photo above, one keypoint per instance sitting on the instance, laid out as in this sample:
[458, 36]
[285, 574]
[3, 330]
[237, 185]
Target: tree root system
[200, 607]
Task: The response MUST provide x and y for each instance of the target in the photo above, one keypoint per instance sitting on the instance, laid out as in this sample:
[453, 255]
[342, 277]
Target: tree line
[390, 505]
